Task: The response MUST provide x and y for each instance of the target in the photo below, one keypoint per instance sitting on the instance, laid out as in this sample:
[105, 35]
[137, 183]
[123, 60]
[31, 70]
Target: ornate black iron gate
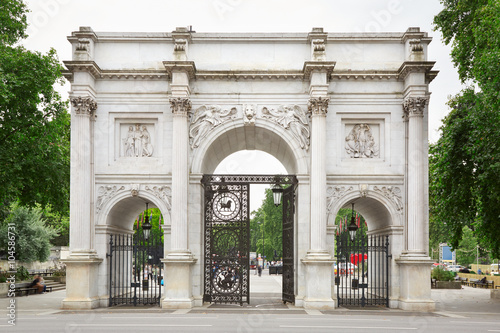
[135, 269]
[362, 270]
[227, 236]
[288, 292]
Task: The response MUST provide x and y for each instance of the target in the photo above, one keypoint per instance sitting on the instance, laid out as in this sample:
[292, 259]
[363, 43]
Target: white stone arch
[234, 136]
[124, 207]
[379, 211]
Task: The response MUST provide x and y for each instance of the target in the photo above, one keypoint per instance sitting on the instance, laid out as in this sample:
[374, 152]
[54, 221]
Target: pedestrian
[479, 271]
[260, 270]
[38, 284]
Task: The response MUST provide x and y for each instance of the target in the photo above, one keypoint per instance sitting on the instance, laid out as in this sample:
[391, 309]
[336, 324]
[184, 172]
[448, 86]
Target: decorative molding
[364, 75]
[360, 143]
[180, 45]
[105, 193]
[88, 66]
[393, 193]
[241, 75]
[318, 106]
[409, 67]
[416, 45]
[206, 118]
[334, 193]
[83, 45]
[137, 143]
[180, 106]
[414, 106]
[319, 66]
[292, 118]
[363, 190]
[162, 192]
[134, 189]
[180, 66]
[249, 114]
[85, 106]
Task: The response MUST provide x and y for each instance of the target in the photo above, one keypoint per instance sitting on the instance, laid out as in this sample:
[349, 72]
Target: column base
[81, 277]
[178, 285]
[415, 285]
[318, 270]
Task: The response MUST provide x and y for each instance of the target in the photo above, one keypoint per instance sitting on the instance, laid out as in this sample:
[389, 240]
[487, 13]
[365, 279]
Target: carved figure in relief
[129, 142]
[360, 143]
[138, 141]
[249, 114]
[291, 117]
[147, 147]
[205, 119]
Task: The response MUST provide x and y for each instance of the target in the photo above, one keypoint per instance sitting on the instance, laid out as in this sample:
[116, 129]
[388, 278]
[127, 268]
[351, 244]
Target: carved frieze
[105, 193]
[206, 118]
[292, 118]
[164, 193]
[414, 106]
[392, 193]
[318, 106]
[84, 106]
[360, 142]
[137, 142]
[180, 106]
[249, 114]
[334, 193]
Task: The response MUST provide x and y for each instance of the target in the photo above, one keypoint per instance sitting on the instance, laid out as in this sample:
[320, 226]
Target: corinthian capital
[180, 106]
[85, 106]
[318, 106]
[414, 106]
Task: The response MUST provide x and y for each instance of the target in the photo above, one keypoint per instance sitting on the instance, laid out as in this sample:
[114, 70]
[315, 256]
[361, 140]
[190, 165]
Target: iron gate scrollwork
[135, 269]
[227, 236]
[288, 292]
[362, 270]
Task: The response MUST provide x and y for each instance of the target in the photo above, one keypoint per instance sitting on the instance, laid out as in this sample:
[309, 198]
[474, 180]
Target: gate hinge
[108, 255]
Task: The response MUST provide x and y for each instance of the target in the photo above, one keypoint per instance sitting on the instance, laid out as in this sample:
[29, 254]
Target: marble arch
[234, 136]
[152, 112]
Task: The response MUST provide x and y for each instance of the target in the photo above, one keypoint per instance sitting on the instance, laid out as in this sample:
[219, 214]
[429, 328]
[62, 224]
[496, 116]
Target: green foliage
[266, 229]
[60, 272]
[60, 223]
[34, 122]
[12, 21]
[3, 279]
[467, 249]
[32, 235]
[464, 163]
[441, 275]
[22, 274]
[154, 219]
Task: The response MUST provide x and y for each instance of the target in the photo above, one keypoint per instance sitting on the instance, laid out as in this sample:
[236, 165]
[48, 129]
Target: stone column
[318, 260]
[82, 264]
[414, 114]
[179, 259]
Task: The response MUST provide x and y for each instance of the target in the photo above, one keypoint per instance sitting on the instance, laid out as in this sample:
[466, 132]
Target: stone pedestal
[81, 281]
[178, 281]
[318, 269]
[415, 283]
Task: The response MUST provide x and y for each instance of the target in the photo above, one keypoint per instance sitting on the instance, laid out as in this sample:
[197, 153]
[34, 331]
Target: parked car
[454, 268]
[434, 265]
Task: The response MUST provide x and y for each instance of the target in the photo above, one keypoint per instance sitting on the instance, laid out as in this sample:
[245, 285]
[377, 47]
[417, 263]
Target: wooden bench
[472, 282]
[463, 280]
[487, 284]
[24, 288]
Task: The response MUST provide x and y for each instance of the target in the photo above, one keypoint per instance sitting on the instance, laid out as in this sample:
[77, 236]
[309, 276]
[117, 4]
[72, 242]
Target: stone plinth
[178, 281]
[81, 282]
[318, 270]
[415, 293]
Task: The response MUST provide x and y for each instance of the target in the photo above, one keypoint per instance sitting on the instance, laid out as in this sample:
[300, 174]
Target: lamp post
[277, 193]
[352, 226]
[146, 227]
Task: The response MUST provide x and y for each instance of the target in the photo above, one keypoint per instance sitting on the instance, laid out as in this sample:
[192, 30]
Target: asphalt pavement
[460, 307]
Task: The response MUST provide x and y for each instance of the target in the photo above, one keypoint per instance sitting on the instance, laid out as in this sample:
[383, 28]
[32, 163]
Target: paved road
[467, 310]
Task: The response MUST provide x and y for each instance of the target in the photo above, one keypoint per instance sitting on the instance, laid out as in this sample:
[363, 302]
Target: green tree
[267, 228]
[34, 122]
[464, 163]
[58, 222]
[467, 249]
[32, 235]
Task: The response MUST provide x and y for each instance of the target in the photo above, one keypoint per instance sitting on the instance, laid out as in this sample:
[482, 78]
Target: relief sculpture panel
[137, 141]
[360, 142]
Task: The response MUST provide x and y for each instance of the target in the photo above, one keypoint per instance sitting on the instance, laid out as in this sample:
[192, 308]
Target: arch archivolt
[119, 204]
[265, 134]
[380, 205]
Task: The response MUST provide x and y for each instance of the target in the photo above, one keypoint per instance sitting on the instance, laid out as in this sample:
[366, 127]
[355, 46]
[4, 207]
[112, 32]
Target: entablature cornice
[425, 67]
[181, 66]
[324, 66]
[249, 75]
[98, 73]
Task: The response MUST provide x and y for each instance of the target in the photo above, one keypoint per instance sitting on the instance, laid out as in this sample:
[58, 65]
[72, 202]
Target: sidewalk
[265, 292]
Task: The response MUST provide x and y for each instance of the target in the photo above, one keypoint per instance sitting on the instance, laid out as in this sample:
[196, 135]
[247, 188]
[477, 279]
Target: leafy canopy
[464, 163]
[34, 122]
